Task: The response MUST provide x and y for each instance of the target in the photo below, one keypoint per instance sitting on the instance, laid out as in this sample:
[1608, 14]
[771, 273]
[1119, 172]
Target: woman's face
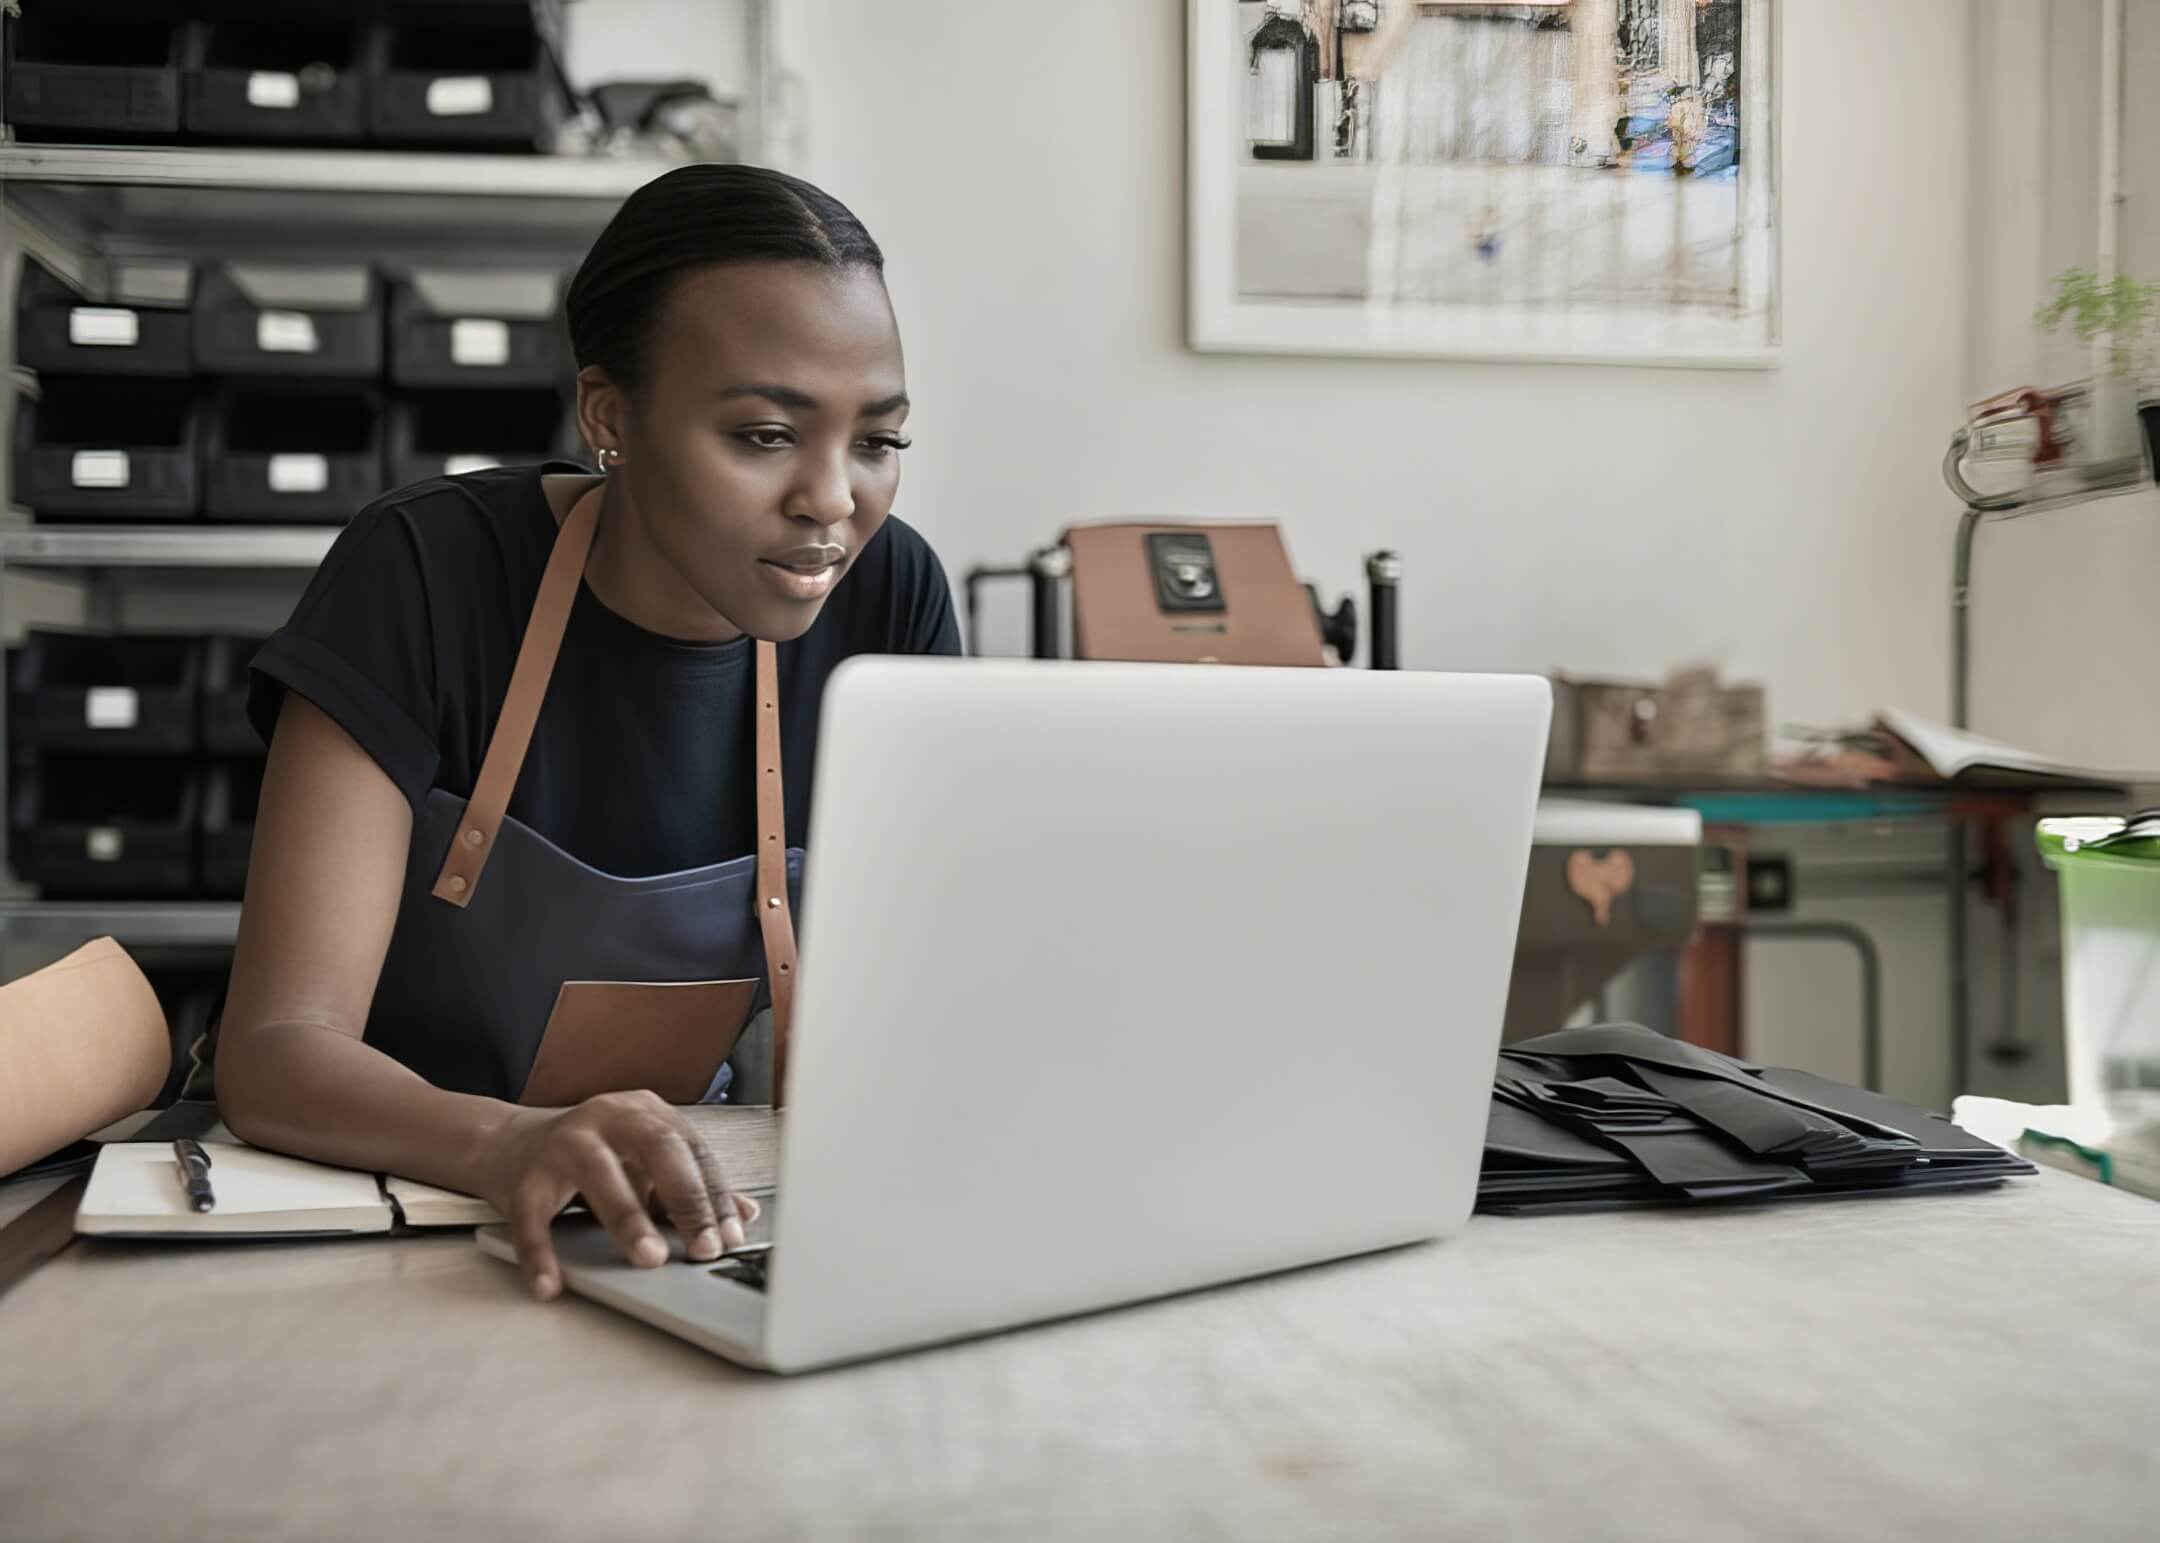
[763, 450]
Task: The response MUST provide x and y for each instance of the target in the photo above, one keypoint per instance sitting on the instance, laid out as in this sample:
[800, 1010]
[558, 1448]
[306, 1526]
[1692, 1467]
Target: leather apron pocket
[607, 1036]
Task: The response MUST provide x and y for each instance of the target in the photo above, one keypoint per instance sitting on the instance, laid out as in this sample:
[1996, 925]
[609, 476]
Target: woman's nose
[826, 495]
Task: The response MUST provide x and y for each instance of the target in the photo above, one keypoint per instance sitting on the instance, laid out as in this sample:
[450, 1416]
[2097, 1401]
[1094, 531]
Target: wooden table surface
[1954, 1367]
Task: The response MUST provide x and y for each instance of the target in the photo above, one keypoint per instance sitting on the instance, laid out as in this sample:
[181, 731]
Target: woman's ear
[602, 411]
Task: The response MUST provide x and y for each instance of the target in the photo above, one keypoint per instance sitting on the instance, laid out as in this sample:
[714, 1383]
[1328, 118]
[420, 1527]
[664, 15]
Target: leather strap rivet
[772, 902]
[457, 883]
[473, 838]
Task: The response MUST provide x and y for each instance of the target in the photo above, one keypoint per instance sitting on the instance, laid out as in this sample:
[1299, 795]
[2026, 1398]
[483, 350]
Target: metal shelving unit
[153, 199]
[175, 924]
[94, 548]
[75, 208]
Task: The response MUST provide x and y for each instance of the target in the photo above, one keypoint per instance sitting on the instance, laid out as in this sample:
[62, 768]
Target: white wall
[1022, 166]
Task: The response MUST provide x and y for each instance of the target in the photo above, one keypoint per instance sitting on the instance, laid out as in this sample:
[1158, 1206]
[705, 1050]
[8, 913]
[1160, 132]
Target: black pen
[194, 1172]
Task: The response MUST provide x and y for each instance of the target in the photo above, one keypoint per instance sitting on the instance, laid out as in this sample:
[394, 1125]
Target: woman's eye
[766, 439]
[887, 444]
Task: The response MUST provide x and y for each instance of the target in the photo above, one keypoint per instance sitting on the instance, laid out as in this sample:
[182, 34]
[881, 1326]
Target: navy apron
[519, 972]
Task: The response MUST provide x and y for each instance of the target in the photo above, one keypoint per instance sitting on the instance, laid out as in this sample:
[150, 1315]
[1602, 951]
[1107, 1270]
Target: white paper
[480, 341]
[298, 473]
[286, 332]
[460, 96]
[100, 468]
[458, 465]
[273, 88]
[103, 326]
[103, 844]
[111, 707]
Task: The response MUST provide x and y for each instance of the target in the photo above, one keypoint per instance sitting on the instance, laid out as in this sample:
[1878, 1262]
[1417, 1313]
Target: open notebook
[1954, 755]
[135, 1189]
[135, 1192]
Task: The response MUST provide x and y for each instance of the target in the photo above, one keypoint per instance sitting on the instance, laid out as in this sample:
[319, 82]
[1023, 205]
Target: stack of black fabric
[1620, 1116]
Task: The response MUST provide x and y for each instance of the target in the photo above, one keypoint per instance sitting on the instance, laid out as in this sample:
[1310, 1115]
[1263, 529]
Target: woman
[519, 858]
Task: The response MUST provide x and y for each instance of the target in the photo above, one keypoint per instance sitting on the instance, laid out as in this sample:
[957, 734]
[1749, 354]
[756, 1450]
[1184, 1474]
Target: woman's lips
[803, 577]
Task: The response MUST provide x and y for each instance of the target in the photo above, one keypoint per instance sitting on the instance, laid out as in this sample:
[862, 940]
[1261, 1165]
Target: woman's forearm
[318, 1093]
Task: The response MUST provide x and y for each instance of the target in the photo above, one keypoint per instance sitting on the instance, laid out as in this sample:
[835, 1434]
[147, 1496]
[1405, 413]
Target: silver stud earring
[610, 459]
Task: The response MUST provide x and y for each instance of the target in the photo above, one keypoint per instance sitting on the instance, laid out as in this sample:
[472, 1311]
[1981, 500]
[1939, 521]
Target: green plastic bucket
[2111, 967]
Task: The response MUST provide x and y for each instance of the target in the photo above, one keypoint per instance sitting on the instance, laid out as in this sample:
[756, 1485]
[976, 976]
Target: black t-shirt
[641, 759]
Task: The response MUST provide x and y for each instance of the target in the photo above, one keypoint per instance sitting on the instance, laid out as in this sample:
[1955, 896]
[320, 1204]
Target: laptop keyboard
[745, 1266]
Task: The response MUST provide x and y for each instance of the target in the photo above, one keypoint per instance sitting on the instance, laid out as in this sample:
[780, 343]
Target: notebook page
[430, 1205]
[135, 1190]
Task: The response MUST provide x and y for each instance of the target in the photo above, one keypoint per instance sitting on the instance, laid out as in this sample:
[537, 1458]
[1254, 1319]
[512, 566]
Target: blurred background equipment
[1220, 593]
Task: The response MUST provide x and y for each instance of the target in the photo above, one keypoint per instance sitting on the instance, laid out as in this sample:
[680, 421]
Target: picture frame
[1647, 236]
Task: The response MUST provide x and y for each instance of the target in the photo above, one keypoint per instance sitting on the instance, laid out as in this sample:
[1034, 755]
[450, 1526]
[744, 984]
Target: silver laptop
[1120, 981]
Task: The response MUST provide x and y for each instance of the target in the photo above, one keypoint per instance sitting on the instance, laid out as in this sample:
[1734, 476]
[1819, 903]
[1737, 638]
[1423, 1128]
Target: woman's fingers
[618, 1205]
[683, 1190]
[532, 1219]
[727, 1205]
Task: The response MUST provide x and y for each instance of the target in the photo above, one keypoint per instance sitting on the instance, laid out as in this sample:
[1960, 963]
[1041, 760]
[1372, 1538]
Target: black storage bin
[292, 452]
[94, 691]
[96, 70]
[226, 728]
[323, 320]
[272, 71]
[468, 74]
[231, 790]
[105, 447]
[442, 433]
[107, 827]
[477, 327]
[141, 329]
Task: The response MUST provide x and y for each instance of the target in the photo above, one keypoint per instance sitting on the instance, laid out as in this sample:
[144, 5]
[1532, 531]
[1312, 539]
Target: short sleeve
[360, 647]
[931, 626]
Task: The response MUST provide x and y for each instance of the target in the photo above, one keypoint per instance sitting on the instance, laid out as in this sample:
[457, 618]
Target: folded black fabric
[1620, 1116]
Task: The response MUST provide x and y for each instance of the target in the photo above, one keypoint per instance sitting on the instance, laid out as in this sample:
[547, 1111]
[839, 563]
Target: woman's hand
[631, 1157]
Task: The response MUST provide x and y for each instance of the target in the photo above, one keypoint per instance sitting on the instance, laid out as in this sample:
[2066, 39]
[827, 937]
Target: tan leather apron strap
[774, 917]
[505, 757]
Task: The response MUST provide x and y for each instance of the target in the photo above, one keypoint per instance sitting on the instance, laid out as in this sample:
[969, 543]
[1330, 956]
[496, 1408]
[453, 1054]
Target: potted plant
[2121, 310]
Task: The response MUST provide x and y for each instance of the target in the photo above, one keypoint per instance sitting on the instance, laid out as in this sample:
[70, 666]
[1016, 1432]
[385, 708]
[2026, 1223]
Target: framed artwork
[1579, 181]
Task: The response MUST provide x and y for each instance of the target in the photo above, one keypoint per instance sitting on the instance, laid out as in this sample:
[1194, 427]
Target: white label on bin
[480, 341]
[273, 88]
[103, 844]
[101, 468]
[286, 332]
[103, 326]
[111, 707]
[297, 473]
[460, 96]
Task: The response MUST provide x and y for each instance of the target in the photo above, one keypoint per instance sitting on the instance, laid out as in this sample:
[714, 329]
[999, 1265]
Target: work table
[1955, 1367]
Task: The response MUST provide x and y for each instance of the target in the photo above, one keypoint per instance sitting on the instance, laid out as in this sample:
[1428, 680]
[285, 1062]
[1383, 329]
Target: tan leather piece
[774, 914]
[82, 1042]
[609, 1036]
[1599, 881]
[1267, 616]
[505, 758]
